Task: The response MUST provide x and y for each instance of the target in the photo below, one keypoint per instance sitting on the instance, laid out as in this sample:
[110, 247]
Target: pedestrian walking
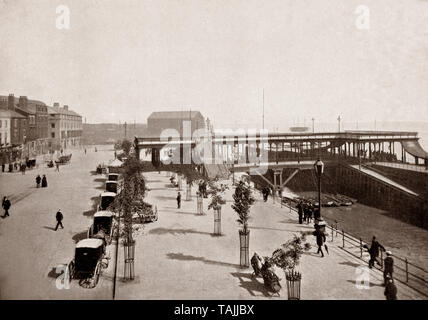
[6, 206]
[388, 264]
[266, 192]
[22, 168]
[310, 212]
[300, 212]
[374, 252]
[59, 218]
[57, 166]
[178, 200]
[317, 214]
[2, 167]
[85, 150]
[390, 289]
[44, 182]
[38, 180]
[321, 238]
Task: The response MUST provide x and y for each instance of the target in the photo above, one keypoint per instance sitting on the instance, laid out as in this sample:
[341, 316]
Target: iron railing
[411, 274]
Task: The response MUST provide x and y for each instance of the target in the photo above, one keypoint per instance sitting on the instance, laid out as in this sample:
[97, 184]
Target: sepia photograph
[232, 151]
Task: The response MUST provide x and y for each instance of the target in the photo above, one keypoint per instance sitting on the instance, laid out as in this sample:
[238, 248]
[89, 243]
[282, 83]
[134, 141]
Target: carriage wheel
[97, 273]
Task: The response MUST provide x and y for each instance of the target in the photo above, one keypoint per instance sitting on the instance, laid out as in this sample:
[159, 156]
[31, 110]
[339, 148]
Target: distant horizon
[229, 60]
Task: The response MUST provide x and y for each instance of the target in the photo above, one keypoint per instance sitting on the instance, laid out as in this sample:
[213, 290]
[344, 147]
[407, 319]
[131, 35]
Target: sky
[122, 60]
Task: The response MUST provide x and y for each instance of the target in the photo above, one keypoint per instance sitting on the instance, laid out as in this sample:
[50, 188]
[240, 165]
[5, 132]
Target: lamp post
[319, 170]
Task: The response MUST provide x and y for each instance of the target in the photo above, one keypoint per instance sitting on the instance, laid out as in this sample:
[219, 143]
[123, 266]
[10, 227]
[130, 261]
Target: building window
[53, 125]
[15, 121]
[53, 134]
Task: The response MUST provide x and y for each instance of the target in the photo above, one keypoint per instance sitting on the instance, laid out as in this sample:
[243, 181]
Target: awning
[415, 149]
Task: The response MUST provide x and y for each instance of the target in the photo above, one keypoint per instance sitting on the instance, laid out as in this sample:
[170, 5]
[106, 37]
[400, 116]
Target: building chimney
[65, 107]
[56, 106]
[23, 102]
[11, 102]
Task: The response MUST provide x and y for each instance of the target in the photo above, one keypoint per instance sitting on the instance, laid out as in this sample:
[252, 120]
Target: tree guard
[244, 241]
[217, 221]
[294, 279]
[129, 254]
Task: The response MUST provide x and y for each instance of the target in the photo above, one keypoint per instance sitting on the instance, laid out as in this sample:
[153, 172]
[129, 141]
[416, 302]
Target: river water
[402, 239]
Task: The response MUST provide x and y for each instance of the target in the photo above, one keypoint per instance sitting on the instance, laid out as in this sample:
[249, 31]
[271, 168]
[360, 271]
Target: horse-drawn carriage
[31, 163]
[63, 159]
[112, 186]
[87, 263]
[102, 226]
[106, 198]
[113, 177]
[101, 168]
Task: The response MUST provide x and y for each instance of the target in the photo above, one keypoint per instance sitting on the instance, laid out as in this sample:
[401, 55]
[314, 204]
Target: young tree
[132, 193]
[216, 192]
[243, 200]
[287, 257]
[126, 146]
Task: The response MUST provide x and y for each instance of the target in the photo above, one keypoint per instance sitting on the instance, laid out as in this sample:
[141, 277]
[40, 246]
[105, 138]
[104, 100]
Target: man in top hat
[374, 252]
[6, 206]
[178, 200]
[59, 218]
[388, 266]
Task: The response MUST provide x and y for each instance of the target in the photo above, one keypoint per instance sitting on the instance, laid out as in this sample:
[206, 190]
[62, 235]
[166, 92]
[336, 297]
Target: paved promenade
[30, 249]
[177, 257]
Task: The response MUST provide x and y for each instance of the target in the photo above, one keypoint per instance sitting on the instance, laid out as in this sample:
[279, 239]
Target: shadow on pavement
[80, 236]
[289, 221]
[185, 212]
[49, 228]
[187, 257]
[273, 229]
[251, 284]
[370, 284]
[53, 274]
[161, 231]
[165, 197]
[153, 181]
[351, 264]
[89, 213]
